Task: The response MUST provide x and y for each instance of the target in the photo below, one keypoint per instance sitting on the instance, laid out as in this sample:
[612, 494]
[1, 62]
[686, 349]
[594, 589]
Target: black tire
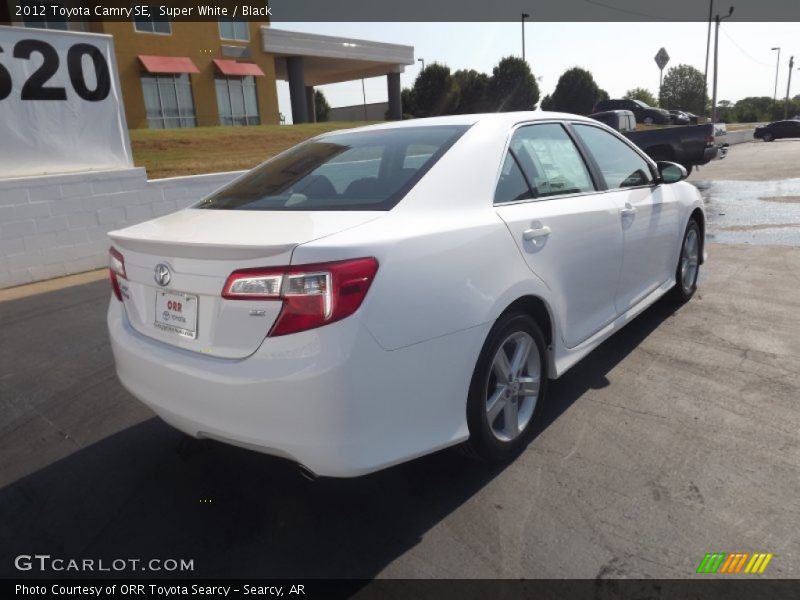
[648, 120]
[768, 137]
[483, 444]
[682, 293]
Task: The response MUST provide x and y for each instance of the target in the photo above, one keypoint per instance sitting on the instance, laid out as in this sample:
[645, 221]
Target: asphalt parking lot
[677, 437]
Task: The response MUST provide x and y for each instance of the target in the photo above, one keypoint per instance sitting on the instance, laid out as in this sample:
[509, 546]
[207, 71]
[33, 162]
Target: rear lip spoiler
[207, 251]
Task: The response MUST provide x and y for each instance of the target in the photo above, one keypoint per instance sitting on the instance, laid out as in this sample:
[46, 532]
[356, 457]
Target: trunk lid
[198, 249]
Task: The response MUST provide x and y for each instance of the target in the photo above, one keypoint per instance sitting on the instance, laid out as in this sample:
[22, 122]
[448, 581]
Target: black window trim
[598, 183]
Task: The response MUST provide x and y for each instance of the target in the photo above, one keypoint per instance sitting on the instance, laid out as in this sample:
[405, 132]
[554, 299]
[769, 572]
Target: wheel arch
[539, 310]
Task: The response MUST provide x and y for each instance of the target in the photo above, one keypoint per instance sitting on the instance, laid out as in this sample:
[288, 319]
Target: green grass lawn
[175, 152]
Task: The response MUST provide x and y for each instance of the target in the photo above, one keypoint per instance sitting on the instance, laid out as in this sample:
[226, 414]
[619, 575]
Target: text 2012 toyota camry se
[376, 294]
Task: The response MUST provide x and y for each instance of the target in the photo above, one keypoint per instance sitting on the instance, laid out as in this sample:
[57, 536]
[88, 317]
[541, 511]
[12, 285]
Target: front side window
[168, 100]
[237, 100]
[367, 170]
[620, 165]
[234, 29]
[152, 23]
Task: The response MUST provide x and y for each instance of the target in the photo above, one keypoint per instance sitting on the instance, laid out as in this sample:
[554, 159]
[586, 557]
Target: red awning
[168, 64]
[232, 67]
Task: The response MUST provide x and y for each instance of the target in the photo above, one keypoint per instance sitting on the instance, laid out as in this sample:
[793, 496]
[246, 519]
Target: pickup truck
[688, 145]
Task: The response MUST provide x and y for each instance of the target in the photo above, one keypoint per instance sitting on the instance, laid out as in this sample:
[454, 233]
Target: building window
[47, 21]
[153, 23]
[234, 29]
[168, 100]
[237, 100]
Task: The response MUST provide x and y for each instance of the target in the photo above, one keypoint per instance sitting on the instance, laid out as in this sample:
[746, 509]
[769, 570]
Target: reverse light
[313, 295]
[116, 268]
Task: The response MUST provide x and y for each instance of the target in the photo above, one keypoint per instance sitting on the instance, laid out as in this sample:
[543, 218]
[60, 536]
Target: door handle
[532, 234]
[628, 211]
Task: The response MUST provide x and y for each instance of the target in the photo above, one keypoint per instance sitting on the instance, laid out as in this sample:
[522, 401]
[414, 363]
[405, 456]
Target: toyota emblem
[162, 274]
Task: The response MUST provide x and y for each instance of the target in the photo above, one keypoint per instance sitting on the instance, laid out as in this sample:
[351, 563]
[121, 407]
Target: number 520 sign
[36, 86]
[60, 105]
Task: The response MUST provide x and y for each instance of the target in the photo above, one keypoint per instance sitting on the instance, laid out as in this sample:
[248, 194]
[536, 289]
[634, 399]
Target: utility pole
[716, 63]
[522, 21]
[422, 61]
[777, 70]
[708, 50]
[788, 87]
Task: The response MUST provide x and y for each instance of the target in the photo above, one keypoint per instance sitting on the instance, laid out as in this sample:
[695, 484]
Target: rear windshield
[366, 170]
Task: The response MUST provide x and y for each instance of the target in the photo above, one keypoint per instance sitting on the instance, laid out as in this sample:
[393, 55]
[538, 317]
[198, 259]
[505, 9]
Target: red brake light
[116, 268]
[313, 295]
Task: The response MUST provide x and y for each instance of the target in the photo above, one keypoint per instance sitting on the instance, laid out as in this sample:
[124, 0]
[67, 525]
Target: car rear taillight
[116, 268]
[313, 295]
[710, 141]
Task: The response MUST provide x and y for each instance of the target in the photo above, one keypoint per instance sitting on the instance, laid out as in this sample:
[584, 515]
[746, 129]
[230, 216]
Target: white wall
[56, 225]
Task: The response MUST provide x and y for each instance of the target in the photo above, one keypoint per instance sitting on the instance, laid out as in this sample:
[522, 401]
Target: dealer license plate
[177, 313]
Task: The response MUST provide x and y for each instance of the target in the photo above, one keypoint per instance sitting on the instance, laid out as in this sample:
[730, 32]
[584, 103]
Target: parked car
[376, 294]
[619, 120]
[679, 117]
[693, 118]
[777, 130]
[688, 145]
[642, 112]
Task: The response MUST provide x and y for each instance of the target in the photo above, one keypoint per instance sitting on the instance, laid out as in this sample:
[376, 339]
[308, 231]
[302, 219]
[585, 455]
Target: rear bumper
[330, 399]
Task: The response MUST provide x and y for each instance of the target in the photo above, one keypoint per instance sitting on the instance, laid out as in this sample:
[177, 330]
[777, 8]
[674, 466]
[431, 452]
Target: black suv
[778, 129]
[642, 112]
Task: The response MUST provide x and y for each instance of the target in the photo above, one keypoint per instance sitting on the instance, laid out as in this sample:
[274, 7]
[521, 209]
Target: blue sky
[620, 55]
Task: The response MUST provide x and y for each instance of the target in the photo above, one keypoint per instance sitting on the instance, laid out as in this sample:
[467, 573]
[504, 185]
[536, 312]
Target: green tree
[576, 92]
[725, 112]
[472, 91]
[756, 108]
[408, 104]
[642, 94]
[321, 106]
[683, 88]
[434, 92]
[512, 86]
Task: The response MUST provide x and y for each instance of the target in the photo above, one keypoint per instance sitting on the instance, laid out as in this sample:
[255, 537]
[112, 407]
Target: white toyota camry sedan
[376, 294]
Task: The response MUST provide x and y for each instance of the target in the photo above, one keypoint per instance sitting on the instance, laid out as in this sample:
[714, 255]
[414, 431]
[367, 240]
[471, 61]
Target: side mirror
[671, 172]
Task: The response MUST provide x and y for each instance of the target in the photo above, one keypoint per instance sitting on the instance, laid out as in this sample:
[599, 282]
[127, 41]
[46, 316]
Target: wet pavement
[753, 195]
[753, 212]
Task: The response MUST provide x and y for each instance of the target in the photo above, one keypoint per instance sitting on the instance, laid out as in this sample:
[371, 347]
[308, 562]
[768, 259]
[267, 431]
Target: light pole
[716, 63]
[788, 87]
[364, 96]
[708, 51]
[421, 60]
[522, 22]
[777, 69]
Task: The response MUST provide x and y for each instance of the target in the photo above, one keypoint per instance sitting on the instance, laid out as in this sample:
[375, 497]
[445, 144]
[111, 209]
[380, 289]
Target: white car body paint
[390, 382]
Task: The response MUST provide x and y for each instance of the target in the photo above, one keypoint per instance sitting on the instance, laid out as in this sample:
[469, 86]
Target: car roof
[507, 119]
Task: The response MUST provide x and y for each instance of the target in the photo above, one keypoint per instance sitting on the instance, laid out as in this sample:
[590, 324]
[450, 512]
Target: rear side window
[512, 185]
[366, 170]
[620, 165]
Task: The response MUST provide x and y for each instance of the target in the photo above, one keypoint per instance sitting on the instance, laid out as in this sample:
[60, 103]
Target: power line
[631, 12]
[743, 51]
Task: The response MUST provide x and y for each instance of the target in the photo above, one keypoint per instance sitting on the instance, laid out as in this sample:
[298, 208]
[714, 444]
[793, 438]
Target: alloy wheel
[512, 387]
[690, 260]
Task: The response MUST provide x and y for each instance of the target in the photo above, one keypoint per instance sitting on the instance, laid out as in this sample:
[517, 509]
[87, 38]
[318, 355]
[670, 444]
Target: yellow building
[201, 73]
